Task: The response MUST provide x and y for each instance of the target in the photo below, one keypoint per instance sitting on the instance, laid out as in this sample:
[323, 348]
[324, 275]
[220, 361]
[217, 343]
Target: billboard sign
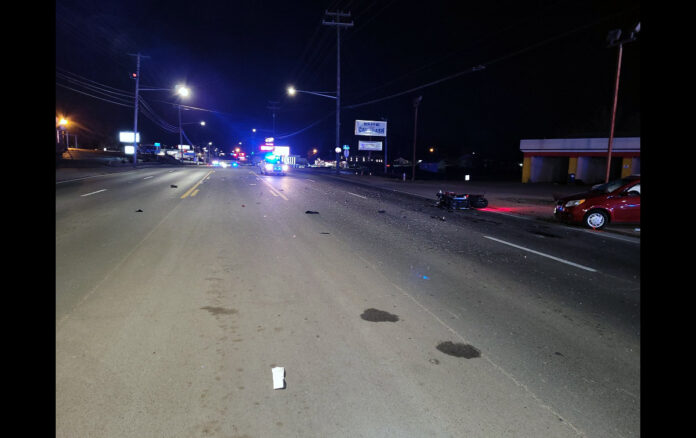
[369, 145]
[371, 128]
[127, 137]
[283, 151]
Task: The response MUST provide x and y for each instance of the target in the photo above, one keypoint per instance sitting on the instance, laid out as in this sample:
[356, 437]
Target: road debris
[138, 211]
[375, 315]
[173, 186]
[278, 377]
[311, 212]
[459, 350]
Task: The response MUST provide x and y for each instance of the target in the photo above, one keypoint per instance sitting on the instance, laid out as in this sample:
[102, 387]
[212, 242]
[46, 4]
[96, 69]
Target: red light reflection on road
[502, 209]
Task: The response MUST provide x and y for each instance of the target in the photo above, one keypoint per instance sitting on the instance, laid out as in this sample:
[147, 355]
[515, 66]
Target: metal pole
[416, 102]
[385, 150]
[181, 142]
[135, 117]
[613, 113]
[338, 94]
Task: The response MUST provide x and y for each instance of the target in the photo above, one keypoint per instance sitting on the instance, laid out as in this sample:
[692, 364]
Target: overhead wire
[484, 64]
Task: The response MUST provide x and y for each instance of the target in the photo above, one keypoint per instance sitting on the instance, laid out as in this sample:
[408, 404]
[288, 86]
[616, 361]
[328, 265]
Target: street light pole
[385, 149]
[338, 24]
[613, 41]
[416, 102]
[135, 117]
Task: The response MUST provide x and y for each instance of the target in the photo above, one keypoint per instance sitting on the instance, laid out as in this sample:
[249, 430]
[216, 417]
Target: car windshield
[612, 185]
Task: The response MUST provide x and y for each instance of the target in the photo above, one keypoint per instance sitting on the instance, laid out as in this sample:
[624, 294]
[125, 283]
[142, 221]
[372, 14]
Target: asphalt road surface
[178, 290]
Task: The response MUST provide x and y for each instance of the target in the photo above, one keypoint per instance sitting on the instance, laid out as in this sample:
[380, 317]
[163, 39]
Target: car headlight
[269, 166]
[285, 167]
[574, 203]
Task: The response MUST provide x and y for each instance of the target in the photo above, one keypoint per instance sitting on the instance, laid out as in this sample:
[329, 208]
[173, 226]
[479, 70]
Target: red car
[613, 202]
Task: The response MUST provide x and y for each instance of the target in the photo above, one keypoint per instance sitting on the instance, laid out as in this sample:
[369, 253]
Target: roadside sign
[371, 128]
[369, 145]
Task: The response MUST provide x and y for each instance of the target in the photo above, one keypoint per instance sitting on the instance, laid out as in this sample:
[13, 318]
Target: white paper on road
[278, 377]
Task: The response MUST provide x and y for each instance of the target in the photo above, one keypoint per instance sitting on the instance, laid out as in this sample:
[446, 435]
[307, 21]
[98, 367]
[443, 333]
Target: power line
[96, 97]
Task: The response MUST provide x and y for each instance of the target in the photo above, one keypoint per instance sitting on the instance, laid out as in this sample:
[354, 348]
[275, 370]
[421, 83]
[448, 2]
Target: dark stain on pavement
[459, 350]
[544, 234]
[219, 310]
[374, 315]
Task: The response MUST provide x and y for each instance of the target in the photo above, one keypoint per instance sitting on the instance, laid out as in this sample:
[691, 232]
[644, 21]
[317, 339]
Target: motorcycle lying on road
[464, 201]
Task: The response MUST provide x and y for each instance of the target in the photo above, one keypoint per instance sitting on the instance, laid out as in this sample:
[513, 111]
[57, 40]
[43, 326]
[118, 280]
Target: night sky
[548, 71]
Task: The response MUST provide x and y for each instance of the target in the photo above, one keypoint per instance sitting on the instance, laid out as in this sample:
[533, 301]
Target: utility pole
[416, 102]
[273, 106]
[181, 141]
[385, 149]
[337, 22]
[136, 76]
[614, 41]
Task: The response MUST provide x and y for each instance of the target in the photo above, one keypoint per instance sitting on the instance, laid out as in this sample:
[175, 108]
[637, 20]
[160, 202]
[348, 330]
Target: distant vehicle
[273, 165]
[617, 202]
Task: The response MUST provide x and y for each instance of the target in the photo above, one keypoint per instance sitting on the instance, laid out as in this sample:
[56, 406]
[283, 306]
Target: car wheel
[596, 219]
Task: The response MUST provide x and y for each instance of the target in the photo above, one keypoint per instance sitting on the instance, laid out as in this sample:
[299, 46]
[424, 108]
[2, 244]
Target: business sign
[283, 151]
[371, 127]
[129, 150]
[127, 137]
[369, 145]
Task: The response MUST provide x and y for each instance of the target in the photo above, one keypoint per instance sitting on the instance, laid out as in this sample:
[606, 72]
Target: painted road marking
[542, 254]
[196, 185]
[148, 177]
[359, 196]
[273, 193]
[98, 191]
[194, 193]
[273, 190]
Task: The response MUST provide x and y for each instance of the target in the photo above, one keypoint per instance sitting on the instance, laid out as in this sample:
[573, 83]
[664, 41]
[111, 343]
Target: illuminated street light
[292, 91]
[183, 91]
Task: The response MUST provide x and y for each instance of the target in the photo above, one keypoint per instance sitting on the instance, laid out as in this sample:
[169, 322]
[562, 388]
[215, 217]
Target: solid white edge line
[87, 194]
[542, 254]
[359, 196]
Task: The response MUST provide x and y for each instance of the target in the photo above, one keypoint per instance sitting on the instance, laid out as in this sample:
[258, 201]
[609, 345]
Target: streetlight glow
[291, 90]
[183, 90]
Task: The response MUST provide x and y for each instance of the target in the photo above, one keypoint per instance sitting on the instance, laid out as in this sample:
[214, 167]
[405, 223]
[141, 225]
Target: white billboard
[283, 151]
[371, 127]
[369, 145]
[127, 137]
